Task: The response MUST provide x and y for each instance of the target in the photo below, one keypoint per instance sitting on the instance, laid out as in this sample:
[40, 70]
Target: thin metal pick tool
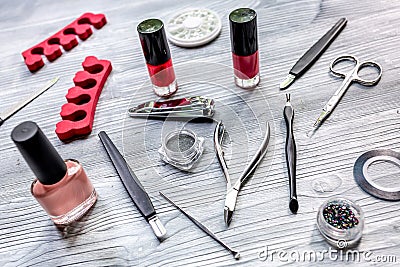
[290, 149]
[235, 254]
[233, 191]
[349, 78]
[6, 115]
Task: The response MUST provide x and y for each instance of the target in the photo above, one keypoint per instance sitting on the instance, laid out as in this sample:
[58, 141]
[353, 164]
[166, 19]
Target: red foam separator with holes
[78, 114]
[65, 37]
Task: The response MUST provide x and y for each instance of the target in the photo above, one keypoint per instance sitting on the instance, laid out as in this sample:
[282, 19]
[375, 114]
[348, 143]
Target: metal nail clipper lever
[133, 186]
[189, 107]
[235, 254]
[290, 149]
[233, 191]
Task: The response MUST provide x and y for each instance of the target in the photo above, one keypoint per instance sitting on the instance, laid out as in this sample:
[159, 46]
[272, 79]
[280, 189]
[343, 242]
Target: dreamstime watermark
[348, 255]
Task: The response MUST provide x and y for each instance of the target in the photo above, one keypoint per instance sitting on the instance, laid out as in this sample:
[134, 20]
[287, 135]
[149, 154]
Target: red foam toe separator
[65, 37]
[78, 114]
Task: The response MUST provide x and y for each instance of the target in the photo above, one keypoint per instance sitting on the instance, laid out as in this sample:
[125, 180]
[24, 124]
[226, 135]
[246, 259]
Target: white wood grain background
[114, 233]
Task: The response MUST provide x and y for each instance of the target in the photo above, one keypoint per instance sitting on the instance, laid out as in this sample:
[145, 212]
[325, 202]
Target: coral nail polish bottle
[61, 187]
[244, 43]
[158, 57]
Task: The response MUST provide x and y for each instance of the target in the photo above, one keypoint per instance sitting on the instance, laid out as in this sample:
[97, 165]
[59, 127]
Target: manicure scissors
[349, 78]
[233, 191]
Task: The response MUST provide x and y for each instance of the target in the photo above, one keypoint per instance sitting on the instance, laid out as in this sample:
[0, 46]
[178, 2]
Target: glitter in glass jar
[340, 222]
[182, 149]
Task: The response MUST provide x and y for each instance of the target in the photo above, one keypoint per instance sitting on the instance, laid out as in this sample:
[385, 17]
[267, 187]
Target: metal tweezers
[233, 191]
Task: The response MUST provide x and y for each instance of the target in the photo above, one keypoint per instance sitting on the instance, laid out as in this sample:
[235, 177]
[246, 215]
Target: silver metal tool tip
[287, 82]
[236, 255]
[293, 205]
[287, 97]
[158, 228]
[320, 119]
[227, 216]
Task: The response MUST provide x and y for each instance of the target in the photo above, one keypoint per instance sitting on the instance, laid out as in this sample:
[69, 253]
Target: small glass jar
[340, 222]
[182, 149]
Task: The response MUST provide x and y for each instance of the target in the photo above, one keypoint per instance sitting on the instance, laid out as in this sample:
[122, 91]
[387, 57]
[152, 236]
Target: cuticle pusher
[290, 149]
[235, 254]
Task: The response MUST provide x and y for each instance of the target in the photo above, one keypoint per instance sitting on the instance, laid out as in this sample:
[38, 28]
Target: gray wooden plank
[114, 233]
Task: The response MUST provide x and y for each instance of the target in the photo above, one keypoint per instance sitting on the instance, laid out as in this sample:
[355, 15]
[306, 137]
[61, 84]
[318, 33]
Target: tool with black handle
[133, 186]
[311, 56]
[290, 148]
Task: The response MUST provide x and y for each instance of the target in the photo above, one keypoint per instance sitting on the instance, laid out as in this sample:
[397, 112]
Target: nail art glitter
[340, 215]
[340, 222]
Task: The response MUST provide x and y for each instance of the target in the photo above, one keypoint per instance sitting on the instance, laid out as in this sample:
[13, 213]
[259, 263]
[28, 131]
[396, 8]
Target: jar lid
[194, 27]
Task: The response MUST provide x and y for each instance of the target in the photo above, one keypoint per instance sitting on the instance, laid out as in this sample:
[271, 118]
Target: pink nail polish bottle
[61, 186]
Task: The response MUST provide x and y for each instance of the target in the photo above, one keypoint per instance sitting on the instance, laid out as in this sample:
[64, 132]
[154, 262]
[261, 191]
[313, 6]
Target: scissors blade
[321, 118]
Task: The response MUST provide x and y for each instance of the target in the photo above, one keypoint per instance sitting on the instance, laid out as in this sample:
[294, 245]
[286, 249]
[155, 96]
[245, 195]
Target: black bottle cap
[39, 153]
[154, 42]
[243, 25]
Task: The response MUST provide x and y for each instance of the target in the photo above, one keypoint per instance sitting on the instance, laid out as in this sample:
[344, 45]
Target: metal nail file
[132, 184]
[235, 254]
[312, 55]
[290, 148]
[6, 115]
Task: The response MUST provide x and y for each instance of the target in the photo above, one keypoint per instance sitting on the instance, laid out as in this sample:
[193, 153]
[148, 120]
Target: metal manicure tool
[235, 254]
[290, 148]
[349, 78]
[133, 186]
[189, 107]
[309, 58]
[233, 191]
[6, 115]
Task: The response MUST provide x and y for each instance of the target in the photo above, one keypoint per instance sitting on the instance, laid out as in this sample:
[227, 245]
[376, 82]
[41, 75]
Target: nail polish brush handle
[290, 149]
[133, 185]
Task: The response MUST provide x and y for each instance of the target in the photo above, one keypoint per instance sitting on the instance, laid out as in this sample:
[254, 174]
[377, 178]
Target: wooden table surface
[113, 232]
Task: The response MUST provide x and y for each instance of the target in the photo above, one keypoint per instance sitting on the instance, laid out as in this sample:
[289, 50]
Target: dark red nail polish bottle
[158, 57]
[244, 43]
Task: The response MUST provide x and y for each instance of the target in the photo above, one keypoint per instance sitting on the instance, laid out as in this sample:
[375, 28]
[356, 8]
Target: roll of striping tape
[365, 181]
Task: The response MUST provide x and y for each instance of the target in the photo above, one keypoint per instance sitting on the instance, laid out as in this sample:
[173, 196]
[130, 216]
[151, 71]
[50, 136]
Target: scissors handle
[353, 76]
[341, 59]
[367, 82]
